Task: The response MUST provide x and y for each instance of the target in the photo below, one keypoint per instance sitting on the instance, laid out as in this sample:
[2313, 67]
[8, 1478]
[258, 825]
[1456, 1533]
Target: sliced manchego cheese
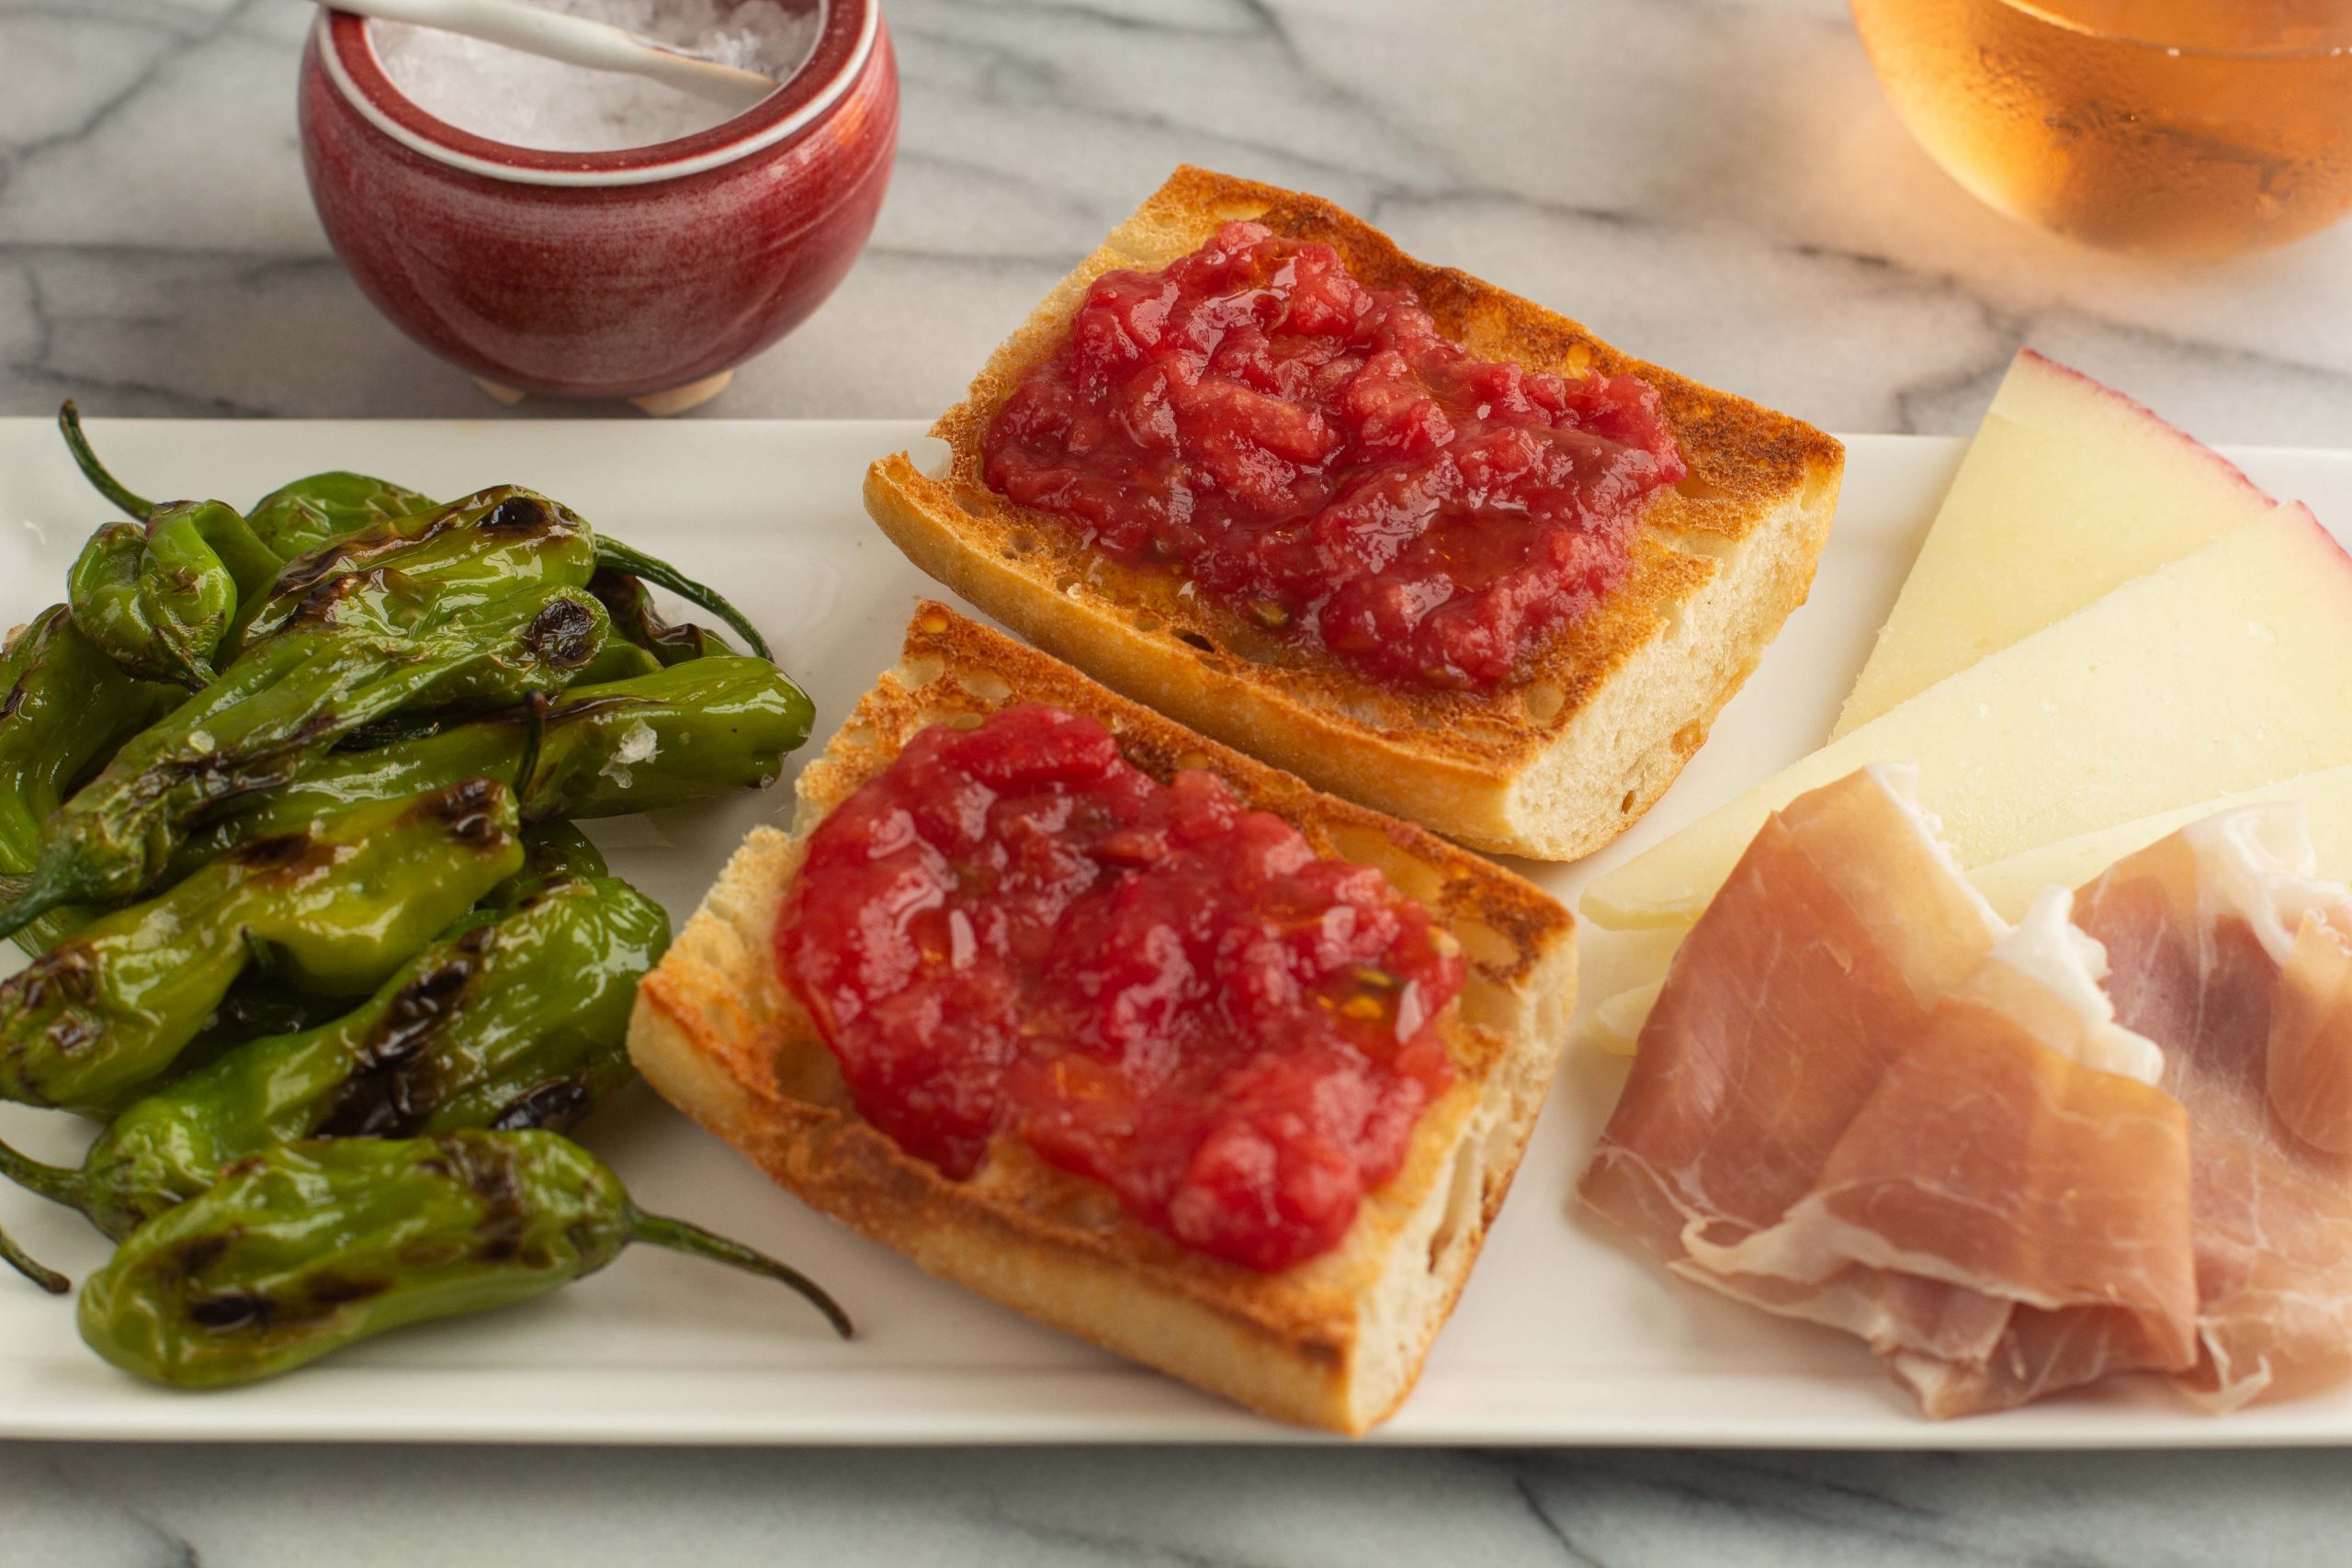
[2069, 491]
[2010, 885]
[1617, 1022]
[2226, 670]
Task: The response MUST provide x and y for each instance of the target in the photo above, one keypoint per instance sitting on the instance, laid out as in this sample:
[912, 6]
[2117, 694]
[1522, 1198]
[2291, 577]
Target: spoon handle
[574, 40]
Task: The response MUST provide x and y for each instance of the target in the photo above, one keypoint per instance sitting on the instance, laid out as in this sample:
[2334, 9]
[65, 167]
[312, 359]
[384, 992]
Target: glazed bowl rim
[844, 43]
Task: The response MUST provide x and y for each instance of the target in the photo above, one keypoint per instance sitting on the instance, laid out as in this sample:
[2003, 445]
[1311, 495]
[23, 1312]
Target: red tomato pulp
[1013, 927]
[1315, 455]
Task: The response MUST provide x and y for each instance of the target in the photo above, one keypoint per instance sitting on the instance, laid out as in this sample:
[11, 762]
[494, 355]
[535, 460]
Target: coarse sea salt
[525, 101]
[638, 743]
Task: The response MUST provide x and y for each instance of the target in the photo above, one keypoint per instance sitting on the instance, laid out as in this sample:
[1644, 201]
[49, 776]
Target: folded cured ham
[2008, 1212]
[1823, 953]
[2012, 1161]
[2229, 953]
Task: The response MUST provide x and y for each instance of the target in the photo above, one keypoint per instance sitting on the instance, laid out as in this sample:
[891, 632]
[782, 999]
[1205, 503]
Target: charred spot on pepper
[232, 1312]
[564, 635]
[493, 1182]
[301, 576]
[72, 1033]
[423, 1005]
[519, 513]
[554, 1106]
[429, 1253]
[320, 601]
[377, 1105]
[64, 976]
[504, 1223]
[343, 558]
[197, 1253]
[468, 810]
[500, 1241]
[269, 854]
[330, 1291]
[391, 1092]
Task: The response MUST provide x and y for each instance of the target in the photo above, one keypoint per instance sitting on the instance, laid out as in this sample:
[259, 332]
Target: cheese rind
[2069, 491]
[2229, 670]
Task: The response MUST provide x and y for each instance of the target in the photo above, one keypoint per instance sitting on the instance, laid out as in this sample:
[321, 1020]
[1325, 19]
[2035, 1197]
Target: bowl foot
[678, 399]
[661, 405]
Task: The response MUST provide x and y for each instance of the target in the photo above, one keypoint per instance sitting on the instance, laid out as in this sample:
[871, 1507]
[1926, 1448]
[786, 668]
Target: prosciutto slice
[2227, 952]
[1821, 957]
[2009, 1213]
[1862, 1100]
[2118, 1138]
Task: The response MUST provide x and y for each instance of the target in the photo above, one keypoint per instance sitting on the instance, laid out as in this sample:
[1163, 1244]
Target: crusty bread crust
[1554, 766]
[1336, 1342]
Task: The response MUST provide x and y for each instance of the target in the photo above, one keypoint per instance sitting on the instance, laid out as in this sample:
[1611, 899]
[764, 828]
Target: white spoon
[575, 40]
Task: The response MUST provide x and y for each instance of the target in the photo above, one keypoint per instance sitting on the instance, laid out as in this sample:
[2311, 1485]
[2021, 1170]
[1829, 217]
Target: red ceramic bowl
[652, 270]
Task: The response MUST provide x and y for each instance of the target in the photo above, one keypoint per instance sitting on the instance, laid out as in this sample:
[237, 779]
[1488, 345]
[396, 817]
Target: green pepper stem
[621, 557]
[34, 900]
[33, 1269]
[69, 420]
[533, 737]
[696, 1242]
[57, 1183]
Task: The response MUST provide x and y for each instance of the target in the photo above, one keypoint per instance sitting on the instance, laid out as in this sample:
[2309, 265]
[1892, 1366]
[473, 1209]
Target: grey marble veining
[229, 1507]
[1716, 184]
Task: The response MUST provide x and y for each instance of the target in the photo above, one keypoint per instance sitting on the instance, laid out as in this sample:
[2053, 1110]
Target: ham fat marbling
[2012, 1161]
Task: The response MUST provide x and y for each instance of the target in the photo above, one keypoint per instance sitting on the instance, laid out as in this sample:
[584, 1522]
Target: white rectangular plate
[1563, 1337]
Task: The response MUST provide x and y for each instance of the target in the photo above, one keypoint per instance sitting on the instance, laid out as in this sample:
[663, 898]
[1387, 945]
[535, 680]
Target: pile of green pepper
[285, 821]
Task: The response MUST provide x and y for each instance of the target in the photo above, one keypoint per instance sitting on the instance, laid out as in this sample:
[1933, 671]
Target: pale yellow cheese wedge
[1616, 1025]
[2069, 490]
[2226, 670]
[2010, 885]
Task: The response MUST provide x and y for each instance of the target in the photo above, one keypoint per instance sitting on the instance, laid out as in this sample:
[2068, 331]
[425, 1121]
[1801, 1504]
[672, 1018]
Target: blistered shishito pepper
[518, 1019]
[688, 733]
[306, 1248]
[290, 520]
[102, 1016]
[277, 709]
[162, 597]
[304, 523]
[479, 548]
[484, 544]
[64, 709]
[297, 518]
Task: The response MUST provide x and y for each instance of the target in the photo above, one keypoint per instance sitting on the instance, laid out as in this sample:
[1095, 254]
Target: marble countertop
[1714, 183]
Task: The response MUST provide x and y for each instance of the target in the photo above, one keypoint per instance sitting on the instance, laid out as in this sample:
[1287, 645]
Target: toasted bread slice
[1554, 766]
[1334, 1342]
